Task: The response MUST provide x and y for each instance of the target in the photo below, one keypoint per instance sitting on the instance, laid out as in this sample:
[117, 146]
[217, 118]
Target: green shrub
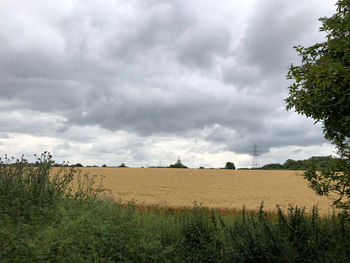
[29, 190]
[200, 240]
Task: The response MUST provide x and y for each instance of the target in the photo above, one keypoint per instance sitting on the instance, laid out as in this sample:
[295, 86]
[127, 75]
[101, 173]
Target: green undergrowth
[43, 220]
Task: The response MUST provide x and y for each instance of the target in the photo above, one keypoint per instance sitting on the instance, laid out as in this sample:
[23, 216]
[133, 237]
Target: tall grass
[43, 218]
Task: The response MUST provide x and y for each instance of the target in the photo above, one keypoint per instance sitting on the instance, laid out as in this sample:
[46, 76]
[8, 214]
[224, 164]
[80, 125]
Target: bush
[200, 237]
[27, 191]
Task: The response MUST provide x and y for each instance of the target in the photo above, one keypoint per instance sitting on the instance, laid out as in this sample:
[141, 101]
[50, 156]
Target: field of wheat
[211, 188]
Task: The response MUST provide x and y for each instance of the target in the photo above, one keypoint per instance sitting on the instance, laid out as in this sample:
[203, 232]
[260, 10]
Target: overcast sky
[146, 81]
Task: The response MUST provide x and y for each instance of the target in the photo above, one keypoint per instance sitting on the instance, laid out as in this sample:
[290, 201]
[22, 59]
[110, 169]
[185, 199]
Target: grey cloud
[271, 136]
[149, 67]
[266, 48]
[242, 76]
[30, 122]
[191, 111]
[63, 146]
[42, 94]
[163, 23]
[4, 135]
[270, 36]
[198, 47]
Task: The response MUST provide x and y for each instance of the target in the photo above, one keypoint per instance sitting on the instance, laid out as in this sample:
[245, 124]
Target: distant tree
[294, 165]
[78, 165]
[320, 162]
[122, 165]
[201, 167]
[272, 166]
[321, 90]
[178, 164]
[104, 165]
[230, 165]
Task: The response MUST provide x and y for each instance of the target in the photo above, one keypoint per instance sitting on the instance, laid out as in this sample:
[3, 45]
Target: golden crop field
[211, 188]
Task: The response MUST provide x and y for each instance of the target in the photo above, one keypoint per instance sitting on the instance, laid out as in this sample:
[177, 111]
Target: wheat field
[210, 188]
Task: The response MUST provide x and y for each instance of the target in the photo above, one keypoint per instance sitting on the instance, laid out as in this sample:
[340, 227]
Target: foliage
[230, 165]
[320, 162]
[272, 166]
[200, 240]
[83, 226]
[321, 90]
[122, 165]
[333, 181]
[178, 164]
[27, 190]
[103, 165]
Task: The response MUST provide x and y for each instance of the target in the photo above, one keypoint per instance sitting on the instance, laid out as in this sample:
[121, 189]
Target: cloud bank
[138, 81]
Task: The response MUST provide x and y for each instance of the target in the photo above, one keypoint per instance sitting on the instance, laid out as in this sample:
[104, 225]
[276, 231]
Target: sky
[145, 82]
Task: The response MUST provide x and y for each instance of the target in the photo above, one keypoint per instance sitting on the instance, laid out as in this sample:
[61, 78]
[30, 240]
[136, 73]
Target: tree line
[320, 162]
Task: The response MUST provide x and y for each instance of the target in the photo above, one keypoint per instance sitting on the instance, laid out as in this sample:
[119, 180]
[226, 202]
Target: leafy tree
[230, 165]
[321, 161]
[122, 165]
[321, 90]
[178, 164]
[104, 165]
[294, 165]
[78, 165]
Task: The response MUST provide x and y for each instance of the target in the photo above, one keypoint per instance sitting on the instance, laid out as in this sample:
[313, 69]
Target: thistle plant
[27, 188]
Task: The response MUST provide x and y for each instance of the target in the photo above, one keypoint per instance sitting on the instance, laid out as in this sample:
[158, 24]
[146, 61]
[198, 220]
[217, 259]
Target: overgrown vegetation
[321, 90]
[43, 218]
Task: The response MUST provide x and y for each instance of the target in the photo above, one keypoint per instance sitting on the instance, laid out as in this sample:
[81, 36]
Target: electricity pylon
[255, 163]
